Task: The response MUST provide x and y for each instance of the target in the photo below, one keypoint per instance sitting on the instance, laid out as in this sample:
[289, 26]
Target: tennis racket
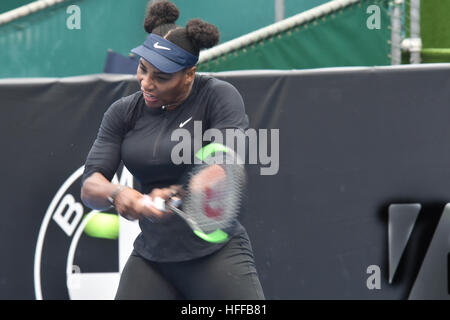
[212, 193]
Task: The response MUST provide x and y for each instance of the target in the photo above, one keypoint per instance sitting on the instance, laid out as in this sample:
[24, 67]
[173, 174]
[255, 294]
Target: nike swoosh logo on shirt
[157, 46]
[183, 123]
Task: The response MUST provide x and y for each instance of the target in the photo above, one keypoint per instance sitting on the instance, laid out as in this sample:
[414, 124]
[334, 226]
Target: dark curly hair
[197, 35]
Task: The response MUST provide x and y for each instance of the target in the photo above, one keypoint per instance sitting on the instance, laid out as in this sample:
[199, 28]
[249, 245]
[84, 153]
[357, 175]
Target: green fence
[340, 38]
[238, 17]
[42, 44]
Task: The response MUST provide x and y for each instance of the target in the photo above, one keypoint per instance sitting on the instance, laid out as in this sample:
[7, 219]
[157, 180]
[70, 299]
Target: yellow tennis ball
[103, 225]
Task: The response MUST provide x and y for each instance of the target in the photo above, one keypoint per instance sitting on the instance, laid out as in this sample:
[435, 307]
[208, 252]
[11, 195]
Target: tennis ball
[103, 225]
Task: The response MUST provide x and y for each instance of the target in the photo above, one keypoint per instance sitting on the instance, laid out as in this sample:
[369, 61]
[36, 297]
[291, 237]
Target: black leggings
[228, 274]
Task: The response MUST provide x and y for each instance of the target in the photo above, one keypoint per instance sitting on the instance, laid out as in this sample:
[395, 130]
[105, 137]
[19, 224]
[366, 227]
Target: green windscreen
[42, 44]
[341, 38]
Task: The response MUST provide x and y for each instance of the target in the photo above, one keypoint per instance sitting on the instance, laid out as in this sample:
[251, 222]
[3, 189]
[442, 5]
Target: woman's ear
[190, 74]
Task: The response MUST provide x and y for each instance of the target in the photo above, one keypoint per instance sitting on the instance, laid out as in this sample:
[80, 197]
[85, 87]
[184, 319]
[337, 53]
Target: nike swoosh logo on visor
[157, 46]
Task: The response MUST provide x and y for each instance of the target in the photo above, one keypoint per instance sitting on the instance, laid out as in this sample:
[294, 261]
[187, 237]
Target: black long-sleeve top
[144, 145]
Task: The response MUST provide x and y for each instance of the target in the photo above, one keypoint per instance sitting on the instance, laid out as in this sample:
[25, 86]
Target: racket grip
[158, 202]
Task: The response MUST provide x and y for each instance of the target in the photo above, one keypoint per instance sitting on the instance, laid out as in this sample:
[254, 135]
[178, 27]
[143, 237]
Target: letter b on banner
[68, 219]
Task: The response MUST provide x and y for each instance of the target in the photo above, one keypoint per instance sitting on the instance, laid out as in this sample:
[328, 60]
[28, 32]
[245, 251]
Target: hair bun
[160, 13]
[202, 34]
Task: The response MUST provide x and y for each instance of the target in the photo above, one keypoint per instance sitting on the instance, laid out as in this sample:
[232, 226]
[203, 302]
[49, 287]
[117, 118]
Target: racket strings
[213, 200]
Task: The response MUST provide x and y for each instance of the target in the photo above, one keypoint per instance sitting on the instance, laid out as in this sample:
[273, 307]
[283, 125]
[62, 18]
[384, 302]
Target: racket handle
[158, 202]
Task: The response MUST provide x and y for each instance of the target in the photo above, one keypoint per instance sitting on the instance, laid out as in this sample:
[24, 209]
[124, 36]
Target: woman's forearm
[95, 192]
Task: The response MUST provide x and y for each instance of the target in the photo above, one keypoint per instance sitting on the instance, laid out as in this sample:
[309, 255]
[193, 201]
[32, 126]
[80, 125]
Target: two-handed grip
[157, 202]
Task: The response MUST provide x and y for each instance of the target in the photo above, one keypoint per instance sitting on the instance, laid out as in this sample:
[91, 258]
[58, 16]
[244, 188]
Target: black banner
[352, 142]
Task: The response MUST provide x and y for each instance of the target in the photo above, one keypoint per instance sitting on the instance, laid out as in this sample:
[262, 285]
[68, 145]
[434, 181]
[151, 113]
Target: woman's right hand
[130, 204]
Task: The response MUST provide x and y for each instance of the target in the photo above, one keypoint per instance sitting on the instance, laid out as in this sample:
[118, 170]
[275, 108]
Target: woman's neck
[173, 106]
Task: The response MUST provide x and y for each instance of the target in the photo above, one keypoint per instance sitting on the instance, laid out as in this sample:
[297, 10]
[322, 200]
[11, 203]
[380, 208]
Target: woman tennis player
[169, 261]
